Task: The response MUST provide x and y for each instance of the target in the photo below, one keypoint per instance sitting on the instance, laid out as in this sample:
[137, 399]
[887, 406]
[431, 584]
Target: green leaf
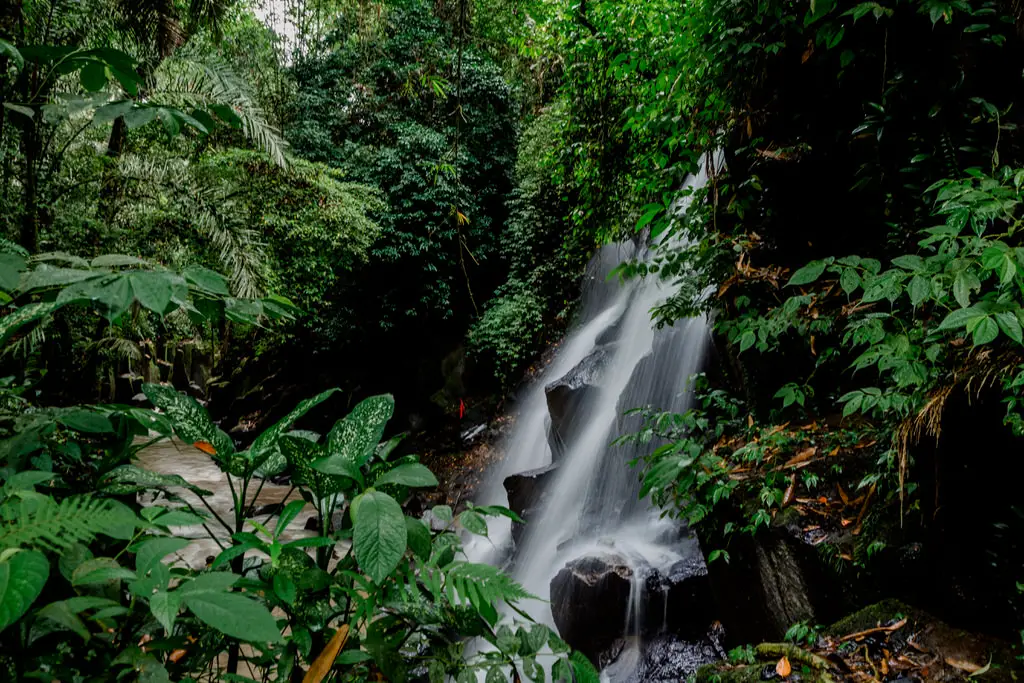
[808, 274]
[100, 570]
[152, 290]
[12, 322]
[11, 267]
[473, 522]
[206, 280]
[910, 262]
[132, 479]
[265, 447]
[747, 340]
[1010, 326]
[22, 577]
[153, 551]
[963, 284]
[62, 615]
[418, 538]
[233, 615]
[190, 420]
[211, 582]
[443, 513]
[410, 474]
[379, 535]
[12, 53]
[582, 668]
[985, 331]
[285, 588]
[849, 280]
[961, 317]
[919, 290]
[82, 420]
[164, 607]
[354, 438]
[19, 109]
[288, 514]
[93, 76]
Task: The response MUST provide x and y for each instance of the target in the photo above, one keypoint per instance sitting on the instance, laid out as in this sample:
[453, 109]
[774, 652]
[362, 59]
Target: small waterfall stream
[615, 360]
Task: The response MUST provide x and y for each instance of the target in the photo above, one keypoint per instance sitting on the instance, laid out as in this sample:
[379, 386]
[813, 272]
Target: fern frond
[482, 586]
[41, 522]
[200, 84]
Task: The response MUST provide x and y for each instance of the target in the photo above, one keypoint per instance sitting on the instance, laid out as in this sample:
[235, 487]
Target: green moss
[871, 616]
[721, 673]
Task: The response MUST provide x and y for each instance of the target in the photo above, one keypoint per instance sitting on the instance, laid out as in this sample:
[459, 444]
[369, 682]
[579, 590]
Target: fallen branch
[878, 629]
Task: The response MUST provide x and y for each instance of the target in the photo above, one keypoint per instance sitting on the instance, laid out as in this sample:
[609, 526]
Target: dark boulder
[683, 594]
[568, 394]
[590, 600]
[593, 603]
[526, 492]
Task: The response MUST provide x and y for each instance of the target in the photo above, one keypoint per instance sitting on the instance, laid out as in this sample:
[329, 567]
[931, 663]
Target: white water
[592, 506]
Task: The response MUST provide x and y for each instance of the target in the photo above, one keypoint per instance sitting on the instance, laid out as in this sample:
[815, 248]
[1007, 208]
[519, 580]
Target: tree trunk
[112, 186]
[32, 150]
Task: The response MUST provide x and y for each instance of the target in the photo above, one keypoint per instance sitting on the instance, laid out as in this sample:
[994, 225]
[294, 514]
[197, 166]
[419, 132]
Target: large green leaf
[30, 313]
[8, 50]
[87, 421]
[234, 615]
[45, 277]
[409, 474]
[191, 421]
[132, 479]
[22, 577]
[11, 266]
[152, 290]
[264, 452]
[379, 535]
[808, 274]
[354, 438]
[206, 280]
[302, 454]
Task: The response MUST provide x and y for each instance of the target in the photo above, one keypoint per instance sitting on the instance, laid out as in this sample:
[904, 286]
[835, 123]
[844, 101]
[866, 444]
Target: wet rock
[567, 395]
[589, 601]
[668, 659]
[684, 594]
[526, 492]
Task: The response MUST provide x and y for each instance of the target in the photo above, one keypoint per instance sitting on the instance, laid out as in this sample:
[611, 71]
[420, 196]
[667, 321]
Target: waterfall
[613, 361]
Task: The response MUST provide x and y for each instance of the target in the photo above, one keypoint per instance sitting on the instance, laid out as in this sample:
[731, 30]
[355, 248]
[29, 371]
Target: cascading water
[591, 506]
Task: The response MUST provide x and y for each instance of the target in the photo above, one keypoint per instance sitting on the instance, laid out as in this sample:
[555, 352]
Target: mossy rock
[722, 673]
[873, 615]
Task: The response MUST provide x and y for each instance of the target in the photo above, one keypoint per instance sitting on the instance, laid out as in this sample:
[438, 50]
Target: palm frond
[213, 213]
[200, 84]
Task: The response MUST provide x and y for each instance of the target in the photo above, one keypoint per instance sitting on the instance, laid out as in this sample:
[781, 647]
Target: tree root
[799, 655]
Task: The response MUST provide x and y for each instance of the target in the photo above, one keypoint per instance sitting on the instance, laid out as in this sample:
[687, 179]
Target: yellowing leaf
[783, 668]
[325, 660]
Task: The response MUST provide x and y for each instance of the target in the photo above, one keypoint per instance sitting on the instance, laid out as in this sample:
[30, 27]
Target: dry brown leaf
[842, 494]
[803, 456]
[321, 666]
[176, 655]
[783, 668]
[787, 497]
